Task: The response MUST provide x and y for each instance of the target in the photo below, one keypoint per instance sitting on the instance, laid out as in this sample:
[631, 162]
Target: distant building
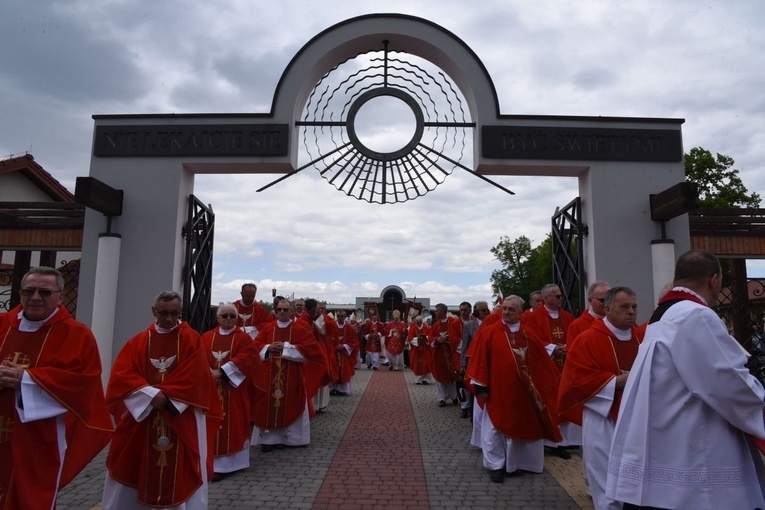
[391, 298]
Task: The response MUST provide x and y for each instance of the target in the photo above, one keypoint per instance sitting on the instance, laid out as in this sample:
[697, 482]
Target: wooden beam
[675, 201]
[97, 195]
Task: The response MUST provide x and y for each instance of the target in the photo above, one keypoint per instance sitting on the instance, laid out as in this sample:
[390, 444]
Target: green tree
[718, 182]
[524, 269]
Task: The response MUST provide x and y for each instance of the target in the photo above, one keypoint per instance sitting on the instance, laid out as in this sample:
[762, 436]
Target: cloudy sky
[64, 61]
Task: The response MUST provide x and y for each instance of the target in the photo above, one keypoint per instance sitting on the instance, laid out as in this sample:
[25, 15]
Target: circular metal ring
[392, 92]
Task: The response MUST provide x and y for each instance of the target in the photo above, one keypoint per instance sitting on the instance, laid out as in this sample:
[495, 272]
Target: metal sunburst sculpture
[331, 140]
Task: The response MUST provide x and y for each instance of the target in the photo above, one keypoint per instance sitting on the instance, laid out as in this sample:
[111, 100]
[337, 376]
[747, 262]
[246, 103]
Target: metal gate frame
[197, 271]
[568, 232]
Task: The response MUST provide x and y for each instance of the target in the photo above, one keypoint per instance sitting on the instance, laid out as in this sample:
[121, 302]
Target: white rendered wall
[105, 298]
[151, 260]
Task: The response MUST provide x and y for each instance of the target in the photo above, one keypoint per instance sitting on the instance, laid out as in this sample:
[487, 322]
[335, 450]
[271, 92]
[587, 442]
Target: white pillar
[663, 263]
[105, 298]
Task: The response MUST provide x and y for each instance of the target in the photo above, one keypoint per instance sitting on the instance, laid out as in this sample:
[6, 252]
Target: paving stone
[385, 446]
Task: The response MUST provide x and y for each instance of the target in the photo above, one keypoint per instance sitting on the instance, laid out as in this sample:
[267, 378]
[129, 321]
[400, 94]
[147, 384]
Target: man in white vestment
[680, 441]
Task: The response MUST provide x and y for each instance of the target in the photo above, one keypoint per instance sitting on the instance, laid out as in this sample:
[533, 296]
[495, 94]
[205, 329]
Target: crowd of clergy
[665, 412]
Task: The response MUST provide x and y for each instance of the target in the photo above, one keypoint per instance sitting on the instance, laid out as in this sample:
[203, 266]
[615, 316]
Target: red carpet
[378, 463]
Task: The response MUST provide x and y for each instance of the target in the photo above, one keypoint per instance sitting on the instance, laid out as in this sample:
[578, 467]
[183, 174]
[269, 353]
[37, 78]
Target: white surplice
[678, 441]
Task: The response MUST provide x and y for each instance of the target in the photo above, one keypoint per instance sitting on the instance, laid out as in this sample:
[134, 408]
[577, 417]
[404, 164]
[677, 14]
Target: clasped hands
[10, 374]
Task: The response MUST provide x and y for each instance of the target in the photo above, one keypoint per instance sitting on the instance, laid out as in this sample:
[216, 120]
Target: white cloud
[704, 62]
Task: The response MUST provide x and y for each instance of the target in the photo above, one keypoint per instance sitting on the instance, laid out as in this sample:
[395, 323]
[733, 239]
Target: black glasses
[227, 316]
[30, 291]
[282, 309]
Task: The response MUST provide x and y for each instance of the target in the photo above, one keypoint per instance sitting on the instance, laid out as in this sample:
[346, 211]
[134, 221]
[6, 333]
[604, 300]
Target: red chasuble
[346, 362]
[479, 336]
[420, 355]
[395, 336]
[253, 315]
[446, 359]
[374, 330]
[326, 336]
[286, 386]
[580, 324]
[62, 359]
[159, 456]
[551, 330]
[592, 361]
[238, 348]
[522, 382]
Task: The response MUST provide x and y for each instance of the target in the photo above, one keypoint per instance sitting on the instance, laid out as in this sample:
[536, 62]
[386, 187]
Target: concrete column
[105, 298]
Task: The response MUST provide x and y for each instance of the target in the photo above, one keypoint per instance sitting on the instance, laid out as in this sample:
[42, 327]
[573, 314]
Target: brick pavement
[352, 462]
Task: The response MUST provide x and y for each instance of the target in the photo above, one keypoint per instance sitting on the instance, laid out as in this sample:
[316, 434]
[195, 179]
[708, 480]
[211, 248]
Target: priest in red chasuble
[324, 329]
[420, 353]
[551, 322]
[373, 331]
[294, 365]
[596, 293]
[346, 352]
[446, 359]
[395, 338]
[167, 409]
[234, 362]
[53, 417]
[252, 317]
[511, 372]
[593, 380]
[486, 318]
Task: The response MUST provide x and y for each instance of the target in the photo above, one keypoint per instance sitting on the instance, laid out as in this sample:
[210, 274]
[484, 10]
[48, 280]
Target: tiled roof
[37, 175]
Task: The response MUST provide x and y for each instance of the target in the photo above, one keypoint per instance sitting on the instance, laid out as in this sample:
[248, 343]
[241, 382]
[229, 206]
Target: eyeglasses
[602, 300]
[44, 293]
[171, 313]
[282, 309]
[227, 316]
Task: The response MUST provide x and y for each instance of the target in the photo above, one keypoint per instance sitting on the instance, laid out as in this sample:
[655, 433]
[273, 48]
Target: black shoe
[369, 365]
[265, 448]
[561, 452]
[497, 475]
[515, 473]
[374, 368]
[333, 392]
[341, 394]
[425, 382]
[455, 401]
[465, 413]
[390, 368]
[217, 477]
[441, 403]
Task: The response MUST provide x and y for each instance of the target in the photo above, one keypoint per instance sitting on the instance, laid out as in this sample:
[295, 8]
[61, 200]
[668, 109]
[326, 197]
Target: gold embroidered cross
[6, 428]
[558, 333]
[18, 358]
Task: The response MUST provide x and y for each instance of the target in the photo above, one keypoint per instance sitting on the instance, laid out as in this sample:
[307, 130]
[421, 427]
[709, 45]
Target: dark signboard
[192, 140]
[598, 144]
